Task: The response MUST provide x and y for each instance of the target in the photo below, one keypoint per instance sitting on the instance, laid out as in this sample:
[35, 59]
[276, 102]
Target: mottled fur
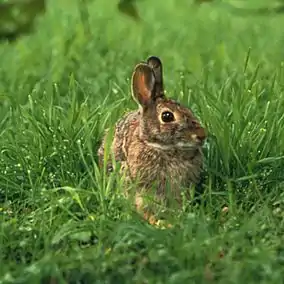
[151, 151]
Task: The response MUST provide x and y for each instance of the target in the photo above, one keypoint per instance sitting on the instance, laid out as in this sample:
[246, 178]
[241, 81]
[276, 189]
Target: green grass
[63, 220]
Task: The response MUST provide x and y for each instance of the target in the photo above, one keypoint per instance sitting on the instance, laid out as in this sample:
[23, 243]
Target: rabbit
[160, 144]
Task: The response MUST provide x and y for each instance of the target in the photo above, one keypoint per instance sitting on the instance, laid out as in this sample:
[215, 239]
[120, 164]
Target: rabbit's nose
[195, 123]
[201, 134]
[198, 130]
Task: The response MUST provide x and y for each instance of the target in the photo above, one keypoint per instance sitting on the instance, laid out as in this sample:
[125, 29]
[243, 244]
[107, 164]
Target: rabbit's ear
[143, 84]
[156, 64]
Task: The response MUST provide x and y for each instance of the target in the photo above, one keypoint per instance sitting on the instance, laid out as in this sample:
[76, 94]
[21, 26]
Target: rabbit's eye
[167, 116]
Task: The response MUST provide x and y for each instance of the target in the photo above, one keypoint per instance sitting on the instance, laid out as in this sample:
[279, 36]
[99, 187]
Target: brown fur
[148, 149]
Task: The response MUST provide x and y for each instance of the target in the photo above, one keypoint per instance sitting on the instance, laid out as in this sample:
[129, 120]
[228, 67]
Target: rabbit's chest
[153, 167]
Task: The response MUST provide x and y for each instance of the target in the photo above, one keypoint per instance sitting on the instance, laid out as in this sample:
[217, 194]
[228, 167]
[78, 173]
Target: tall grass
[66, 221]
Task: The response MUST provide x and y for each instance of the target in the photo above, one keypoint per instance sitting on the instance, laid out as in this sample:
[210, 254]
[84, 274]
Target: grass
[64, 221]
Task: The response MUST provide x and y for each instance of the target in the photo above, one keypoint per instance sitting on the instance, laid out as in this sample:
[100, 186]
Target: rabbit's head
[164, 123]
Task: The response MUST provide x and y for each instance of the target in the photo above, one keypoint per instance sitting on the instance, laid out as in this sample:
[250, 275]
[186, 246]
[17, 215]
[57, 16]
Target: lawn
[64, 221]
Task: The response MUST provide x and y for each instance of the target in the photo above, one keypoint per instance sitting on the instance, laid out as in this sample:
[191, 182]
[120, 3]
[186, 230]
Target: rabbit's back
[124, 130]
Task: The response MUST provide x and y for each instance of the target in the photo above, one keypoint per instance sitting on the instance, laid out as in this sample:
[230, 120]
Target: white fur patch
[185, 145]
[171, 146]
[159, 146]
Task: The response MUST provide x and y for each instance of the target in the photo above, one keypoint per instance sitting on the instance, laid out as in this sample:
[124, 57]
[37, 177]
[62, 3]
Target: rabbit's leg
[146, 211]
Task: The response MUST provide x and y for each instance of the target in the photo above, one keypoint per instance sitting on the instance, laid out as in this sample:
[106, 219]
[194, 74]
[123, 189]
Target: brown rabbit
[160, 144]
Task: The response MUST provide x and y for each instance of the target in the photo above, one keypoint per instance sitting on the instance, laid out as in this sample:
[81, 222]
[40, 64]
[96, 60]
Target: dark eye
[167, 116]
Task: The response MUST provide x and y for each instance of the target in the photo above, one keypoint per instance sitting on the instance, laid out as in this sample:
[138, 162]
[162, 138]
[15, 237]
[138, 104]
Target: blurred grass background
[64, 221]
